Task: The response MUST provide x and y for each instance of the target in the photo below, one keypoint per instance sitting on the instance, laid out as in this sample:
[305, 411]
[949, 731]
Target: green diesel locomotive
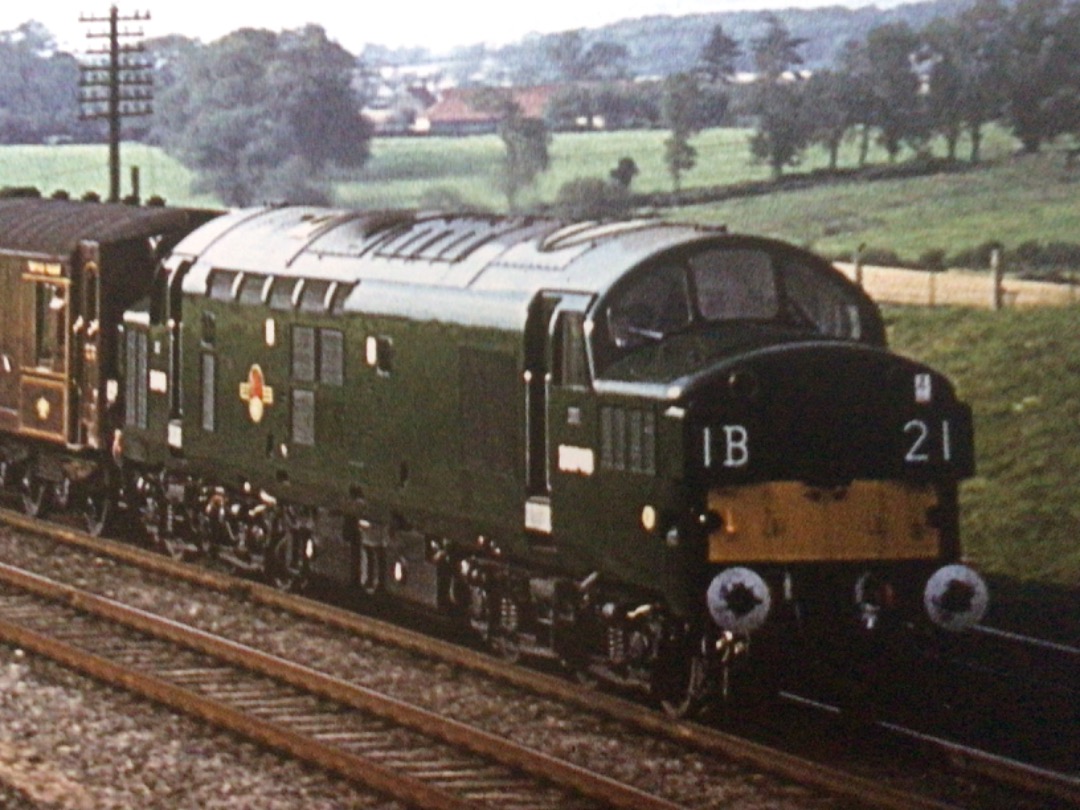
[633, 446]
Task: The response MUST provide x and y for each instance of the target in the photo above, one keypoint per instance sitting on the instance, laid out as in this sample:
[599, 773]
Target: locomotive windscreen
[718, 286]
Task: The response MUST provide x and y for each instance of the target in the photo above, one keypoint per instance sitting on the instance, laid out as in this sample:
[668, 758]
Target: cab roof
[515, 256]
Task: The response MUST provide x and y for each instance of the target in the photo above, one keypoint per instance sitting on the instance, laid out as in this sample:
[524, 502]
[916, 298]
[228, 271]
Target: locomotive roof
[512, 256]
[55, 227]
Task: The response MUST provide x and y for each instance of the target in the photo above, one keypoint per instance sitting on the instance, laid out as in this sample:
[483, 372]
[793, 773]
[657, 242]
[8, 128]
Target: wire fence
[964, 288]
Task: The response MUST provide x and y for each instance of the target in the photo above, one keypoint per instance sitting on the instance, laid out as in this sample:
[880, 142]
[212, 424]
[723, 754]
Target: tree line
[1018, 65]
[260, 115]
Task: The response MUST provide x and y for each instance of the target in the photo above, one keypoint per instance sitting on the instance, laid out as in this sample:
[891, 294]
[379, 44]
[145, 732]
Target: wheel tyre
[96, 512]
[286, 567]
[682, 686]
[36, 496]
[371, 569]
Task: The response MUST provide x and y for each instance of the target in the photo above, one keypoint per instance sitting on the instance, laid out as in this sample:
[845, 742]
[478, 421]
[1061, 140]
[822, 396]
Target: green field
[80, 169]
[1018, 199]
[1010, 199]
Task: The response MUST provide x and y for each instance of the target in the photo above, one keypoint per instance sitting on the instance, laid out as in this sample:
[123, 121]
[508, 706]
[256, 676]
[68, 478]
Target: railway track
[1054, 787]
[393, 747]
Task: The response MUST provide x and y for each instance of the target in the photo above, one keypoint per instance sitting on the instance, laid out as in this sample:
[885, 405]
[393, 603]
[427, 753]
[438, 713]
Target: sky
[435, 24]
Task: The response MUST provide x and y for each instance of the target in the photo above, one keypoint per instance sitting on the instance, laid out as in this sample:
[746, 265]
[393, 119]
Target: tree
[566, 52]
[681, 113]
[966, 82]
[718, 57]
[1040, 55]
[830, 98]
[526, 141]
[573, 62]
[894, 86]
[782, 132]
[258, 110]
[776, 51]
[624, 173]
[862, 105]
[37, 86]
[606, 61]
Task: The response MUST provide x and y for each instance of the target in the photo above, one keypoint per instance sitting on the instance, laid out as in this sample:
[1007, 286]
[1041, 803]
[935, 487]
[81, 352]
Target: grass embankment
[1020, 370]
[1015, 200]
[81, 168]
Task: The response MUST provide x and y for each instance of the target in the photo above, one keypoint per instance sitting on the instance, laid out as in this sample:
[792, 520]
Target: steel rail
[607, 792]
[1001, 769]
[1027, 641]
[708, 740]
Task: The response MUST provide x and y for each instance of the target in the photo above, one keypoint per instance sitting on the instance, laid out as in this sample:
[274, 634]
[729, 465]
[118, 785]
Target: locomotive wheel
[36, 495]
[681, 680]
[175, 547]
[286, 566]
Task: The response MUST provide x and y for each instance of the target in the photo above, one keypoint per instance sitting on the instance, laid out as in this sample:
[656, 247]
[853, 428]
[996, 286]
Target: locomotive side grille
[303, 417]
[628, 440]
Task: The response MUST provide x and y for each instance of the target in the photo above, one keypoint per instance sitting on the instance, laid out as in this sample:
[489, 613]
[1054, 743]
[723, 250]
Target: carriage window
[734, 285]
[654, 305]
[51, 326]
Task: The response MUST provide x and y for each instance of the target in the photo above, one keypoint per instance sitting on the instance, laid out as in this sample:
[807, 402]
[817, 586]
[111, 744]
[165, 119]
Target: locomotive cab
[789, 467]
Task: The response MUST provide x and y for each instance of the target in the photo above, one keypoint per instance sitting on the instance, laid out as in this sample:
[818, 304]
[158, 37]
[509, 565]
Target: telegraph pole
[116, 84]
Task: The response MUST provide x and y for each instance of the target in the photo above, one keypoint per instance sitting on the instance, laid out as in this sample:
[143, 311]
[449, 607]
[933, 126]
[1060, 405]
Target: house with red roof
[456, 113]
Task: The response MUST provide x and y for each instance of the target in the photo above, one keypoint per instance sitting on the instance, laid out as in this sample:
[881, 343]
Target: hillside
[664, 44]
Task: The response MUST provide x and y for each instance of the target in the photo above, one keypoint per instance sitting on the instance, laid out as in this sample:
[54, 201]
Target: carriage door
[86, 349]
[556, 378]
[44, 390]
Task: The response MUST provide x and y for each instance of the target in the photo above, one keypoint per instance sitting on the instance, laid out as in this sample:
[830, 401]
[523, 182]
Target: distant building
[395, 111]
[455, 113]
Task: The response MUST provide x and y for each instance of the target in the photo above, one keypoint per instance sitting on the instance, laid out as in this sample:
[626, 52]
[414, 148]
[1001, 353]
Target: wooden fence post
[997, 272]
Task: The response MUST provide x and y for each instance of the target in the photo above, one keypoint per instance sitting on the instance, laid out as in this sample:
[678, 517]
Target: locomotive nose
[739, 600]
[956, 598]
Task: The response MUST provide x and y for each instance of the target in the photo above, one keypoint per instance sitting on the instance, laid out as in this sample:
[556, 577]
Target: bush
[978, 257]
[882, 257]
[592, 198]
[445, 198]
[933, 259]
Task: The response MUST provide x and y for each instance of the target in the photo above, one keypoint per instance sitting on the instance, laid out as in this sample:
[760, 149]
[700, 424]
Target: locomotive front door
[556, 381]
